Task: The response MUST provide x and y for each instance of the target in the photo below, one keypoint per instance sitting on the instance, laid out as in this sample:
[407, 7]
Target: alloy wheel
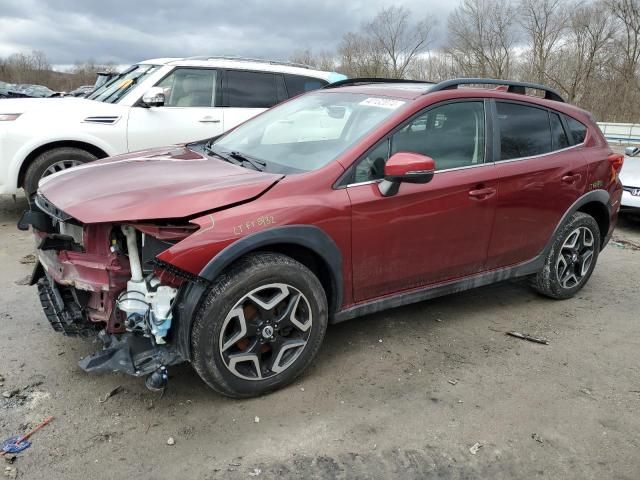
[265, 332]
[60, 166]
[575, 258]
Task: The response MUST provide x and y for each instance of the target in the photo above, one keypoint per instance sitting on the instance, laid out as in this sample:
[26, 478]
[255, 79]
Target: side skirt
[440, 289]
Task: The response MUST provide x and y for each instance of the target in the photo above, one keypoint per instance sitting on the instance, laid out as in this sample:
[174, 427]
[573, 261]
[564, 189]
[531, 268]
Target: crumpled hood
[163, 183]
[630, 173]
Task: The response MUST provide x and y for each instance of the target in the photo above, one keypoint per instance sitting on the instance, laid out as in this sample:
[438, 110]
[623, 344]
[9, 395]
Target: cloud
[125, 31]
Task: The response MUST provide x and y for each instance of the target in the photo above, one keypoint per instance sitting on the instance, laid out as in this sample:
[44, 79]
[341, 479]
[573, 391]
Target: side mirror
[406, 167]
[631, 151]
[154, 97]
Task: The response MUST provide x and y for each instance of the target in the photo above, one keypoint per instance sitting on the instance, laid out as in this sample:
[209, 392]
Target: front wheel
[572, 258]
[260, 326]
[53, 161]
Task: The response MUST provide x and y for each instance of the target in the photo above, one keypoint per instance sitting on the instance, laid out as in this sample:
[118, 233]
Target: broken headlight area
[104, 280]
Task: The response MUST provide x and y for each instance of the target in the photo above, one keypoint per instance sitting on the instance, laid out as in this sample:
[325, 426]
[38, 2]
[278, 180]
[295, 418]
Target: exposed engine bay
[103, 280]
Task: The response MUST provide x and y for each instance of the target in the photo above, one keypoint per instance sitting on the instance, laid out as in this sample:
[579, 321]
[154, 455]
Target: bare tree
[482, 37]
[544, 22]
[387, 45]
[323, 60]
[361, 57]
[628, 14]
[392, 32]
[589, 33]
[435, 66]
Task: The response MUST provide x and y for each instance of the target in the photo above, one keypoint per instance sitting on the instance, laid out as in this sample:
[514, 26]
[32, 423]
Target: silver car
[630, 178]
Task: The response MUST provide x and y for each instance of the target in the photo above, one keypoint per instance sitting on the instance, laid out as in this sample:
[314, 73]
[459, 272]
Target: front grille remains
[62, 310]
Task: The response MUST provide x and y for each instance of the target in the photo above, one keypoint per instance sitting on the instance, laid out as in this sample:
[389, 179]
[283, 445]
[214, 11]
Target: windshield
[309, 132]
[120, 85]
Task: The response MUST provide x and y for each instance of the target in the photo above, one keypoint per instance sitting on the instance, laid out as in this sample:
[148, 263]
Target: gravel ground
[401, 394]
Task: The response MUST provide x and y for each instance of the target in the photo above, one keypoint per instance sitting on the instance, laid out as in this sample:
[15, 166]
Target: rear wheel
[572, 258]
[53, 161]
[260, 326]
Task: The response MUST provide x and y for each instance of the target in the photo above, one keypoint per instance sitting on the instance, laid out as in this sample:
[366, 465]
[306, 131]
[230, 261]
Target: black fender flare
[307, 236]
[599, 196]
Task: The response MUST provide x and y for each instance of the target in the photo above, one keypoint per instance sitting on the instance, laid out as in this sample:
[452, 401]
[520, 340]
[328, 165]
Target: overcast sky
[127, 31]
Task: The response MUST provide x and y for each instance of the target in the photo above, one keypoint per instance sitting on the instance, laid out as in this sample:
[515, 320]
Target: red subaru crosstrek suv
[235, 253]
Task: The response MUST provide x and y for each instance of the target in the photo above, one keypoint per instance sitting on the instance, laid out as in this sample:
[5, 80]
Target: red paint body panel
[168, 183]
[422, 235]
[532, 198]
[305, 199]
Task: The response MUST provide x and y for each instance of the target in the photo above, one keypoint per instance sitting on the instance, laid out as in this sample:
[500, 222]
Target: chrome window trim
[518, 159]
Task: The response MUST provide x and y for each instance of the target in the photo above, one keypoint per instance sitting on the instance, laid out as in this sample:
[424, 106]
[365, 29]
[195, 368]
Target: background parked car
[154, 103]
[82, 91]
[630, 178]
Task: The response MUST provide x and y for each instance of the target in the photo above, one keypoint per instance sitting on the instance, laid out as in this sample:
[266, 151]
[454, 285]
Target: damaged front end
[104, 280]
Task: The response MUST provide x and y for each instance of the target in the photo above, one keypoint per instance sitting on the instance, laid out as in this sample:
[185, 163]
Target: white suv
[154, 103]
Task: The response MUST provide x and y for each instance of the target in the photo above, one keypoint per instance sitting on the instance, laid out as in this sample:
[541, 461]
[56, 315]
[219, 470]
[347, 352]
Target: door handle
[209, 120]
[482, 193]
[571, 178]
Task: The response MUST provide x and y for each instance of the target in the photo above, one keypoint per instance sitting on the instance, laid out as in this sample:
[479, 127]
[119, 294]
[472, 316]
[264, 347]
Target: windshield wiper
[256, 163]
[236, 158]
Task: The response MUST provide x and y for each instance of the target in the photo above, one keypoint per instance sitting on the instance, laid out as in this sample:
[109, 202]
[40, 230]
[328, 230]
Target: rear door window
[298, 84]
[246, 89]
[524, 131]
[577, 130]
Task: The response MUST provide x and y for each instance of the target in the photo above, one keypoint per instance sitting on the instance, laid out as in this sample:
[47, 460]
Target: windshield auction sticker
[382, 103]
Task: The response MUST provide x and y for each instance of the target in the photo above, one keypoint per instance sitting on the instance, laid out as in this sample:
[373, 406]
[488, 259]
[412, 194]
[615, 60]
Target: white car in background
[630, 178]
[154, 103]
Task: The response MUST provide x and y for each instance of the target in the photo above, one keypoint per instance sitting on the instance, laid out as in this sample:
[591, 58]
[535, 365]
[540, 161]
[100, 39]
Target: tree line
[35, 68]
[588, 50]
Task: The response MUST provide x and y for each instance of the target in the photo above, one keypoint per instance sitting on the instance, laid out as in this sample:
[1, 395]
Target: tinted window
[577, 130]
[189, 87]
[251, 89]
[559, 139]
[297, 84]
[452, 134]
[524, 131]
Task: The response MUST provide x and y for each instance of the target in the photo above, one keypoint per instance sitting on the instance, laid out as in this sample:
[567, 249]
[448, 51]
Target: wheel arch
[306, 244]
[600, 213]
[594, 203]
[89, 147]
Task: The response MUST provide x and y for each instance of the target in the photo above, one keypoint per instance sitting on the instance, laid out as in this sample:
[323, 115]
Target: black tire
[42, 162]
[249, 274]
[548, 281]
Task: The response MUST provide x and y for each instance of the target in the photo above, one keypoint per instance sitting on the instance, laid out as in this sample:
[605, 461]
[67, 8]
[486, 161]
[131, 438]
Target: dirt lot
[401, 394]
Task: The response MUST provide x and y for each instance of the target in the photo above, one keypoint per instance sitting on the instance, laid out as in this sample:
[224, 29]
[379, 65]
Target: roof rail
[367, 80]
[248, 59]
[512, 86]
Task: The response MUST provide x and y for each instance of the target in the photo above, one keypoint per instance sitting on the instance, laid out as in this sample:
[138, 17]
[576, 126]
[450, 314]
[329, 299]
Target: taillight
[616, 160]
